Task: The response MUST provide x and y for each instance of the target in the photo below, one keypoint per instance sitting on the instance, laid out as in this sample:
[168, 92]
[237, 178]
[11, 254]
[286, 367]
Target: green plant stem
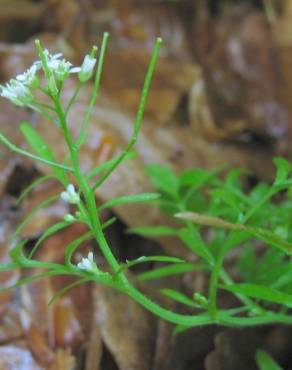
[204, 319]
[83, 131]
[139, 115]
[73, 98]
[219, 272]
[165, 314]
[95, 223]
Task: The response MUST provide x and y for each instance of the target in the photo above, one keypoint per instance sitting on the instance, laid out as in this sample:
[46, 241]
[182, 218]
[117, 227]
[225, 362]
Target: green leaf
[108, 223]
[34, 184]
[72, 246]
[153, 231]
[139, 114]
[165, 271]
[261, 292]
[284, 169]
[64, 290]
[194, 242]
[231, 199]
[163, 179]
[271, 239]
[194, 178]
[19, 257]
[50, 231]
[128, 199]
[144, 259]
[197, 177]
[248, 263]
[41, 148]
[179, 297]
[265, 361]
[41, 205]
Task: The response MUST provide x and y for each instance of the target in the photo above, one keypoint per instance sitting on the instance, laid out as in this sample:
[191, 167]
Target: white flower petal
[88, 263]
[90, 257]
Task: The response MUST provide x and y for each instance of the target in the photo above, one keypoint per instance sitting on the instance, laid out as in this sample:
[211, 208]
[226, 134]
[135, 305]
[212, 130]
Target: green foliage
[214, 215]
[41, 148]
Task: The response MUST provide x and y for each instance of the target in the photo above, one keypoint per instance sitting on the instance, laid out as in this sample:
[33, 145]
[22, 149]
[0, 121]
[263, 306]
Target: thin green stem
[92, 212]
[175, 318]
[222, 318]
[73, 98]
[215, 274]
[139, 115]
[43, 59]
[34, 184]
[83, 132]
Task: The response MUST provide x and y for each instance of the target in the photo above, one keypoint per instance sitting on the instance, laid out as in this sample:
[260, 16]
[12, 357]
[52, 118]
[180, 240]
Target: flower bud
[87, 67]
[70, 196]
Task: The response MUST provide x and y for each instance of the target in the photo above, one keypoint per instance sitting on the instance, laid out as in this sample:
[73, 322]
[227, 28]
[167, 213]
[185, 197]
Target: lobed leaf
[194, 242]
[163, 179]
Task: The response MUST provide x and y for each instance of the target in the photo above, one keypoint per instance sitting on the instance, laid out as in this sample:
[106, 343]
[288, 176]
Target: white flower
[59, 67]
[87, 67]
[70, 196]
[88, 263]
[49, 58]
[17, 93]
[29, 78]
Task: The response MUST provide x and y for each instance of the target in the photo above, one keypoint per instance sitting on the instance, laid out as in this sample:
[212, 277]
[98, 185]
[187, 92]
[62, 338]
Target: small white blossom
[17, 93]
[49, 58]
[59, 67]
[87, 67]
[88, 263]
[70, 196]
[29, 78]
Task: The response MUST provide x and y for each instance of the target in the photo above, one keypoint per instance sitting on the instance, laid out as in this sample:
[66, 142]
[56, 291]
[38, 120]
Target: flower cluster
[70, 196]
[17, 93]
[88, 263]
[56, 69]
